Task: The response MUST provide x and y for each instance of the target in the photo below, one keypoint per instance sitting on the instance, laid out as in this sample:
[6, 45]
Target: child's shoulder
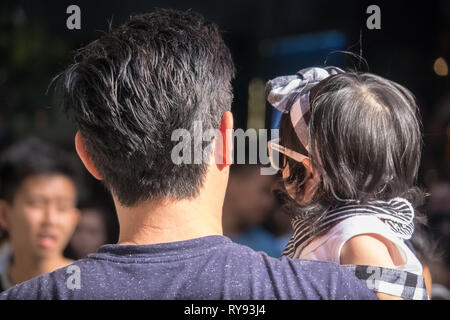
[367, 240]
[370, 249]
[355, 240]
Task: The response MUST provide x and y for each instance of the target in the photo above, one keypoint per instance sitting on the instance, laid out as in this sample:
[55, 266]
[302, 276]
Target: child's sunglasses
[275, 149]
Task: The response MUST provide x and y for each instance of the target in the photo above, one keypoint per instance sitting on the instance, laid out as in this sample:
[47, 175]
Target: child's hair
[365, 140]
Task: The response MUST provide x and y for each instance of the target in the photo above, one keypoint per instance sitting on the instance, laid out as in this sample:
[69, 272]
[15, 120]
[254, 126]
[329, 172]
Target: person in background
[279, 222]
[439, 215]
[95, 228]
[430, 253]
[248, 203]
[5, 249]
[37, 209]
[438, 228]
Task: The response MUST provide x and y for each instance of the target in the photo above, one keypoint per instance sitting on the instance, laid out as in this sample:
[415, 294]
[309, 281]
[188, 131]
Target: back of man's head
[130, 89]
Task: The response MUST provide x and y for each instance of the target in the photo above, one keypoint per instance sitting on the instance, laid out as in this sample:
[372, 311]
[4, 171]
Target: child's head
[365, 141]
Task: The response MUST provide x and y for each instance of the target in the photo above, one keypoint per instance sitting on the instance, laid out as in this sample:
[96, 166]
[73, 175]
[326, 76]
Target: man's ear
[4, 219]
[224, 147]
[82, 153]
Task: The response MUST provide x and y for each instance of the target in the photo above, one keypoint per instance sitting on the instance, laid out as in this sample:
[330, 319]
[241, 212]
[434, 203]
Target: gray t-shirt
[211, 267]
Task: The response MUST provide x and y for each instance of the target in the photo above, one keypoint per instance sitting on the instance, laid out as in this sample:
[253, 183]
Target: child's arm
[373, 250]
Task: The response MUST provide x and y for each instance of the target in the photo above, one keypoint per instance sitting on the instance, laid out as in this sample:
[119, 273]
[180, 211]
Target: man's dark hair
[130, 89]
[32, 157]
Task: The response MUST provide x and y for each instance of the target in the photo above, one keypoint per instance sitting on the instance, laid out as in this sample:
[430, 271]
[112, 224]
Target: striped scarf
[397, 214]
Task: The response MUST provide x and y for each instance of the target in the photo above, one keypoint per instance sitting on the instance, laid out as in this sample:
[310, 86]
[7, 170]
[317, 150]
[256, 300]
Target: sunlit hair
[130, 89]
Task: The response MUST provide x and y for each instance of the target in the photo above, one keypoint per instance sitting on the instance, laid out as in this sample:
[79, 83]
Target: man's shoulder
[228, 271]
[242, 253]
[287, 278]
[59, 284]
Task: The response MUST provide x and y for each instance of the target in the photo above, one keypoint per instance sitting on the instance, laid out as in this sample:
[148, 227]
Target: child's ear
[310, 171]
[308, 165]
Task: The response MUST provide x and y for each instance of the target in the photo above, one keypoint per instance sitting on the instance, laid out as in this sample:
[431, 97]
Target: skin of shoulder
[369, 249]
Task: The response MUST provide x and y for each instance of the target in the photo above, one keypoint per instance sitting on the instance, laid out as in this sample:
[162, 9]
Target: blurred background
[267, 39]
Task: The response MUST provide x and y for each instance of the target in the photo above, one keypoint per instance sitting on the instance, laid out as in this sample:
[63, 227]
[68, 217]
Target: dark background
[267, 39]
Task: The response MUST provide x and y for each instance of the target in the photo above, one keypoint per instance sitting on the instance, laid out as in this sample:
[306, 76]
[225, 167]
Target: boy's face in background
[42, 215]
[250, 195]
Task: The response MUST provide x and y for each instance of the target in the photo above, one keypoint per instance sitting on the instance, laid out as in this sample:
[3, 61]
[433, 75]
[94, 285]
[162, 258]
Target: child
[349, 152]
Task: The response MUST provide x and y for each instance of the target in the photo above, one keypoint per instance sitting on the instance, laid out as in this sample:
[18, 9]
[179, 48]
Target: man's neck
[168, 221]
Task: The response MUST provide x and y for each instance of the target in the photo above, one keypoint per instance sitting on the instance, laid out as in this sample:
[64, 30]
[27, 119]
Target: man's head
[130, 89]
[37, 198]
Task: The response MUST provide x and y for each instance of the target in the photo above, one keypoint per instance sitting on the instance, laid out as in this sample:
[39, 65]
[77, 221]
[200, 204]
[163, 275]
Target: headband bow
[290, 94]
